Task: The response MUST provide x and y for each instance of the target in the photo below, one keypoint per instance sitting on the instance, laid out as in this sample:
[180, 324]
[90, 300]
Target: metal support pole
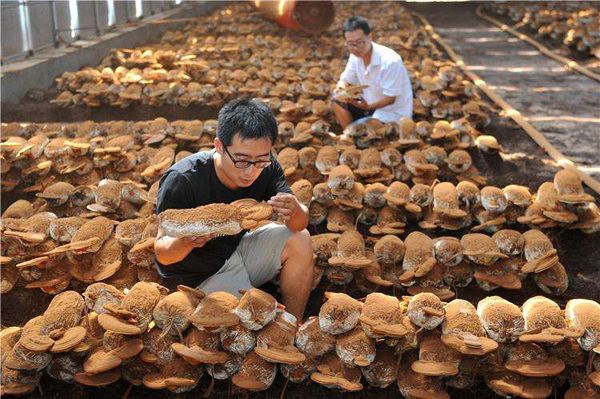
[55, 39]
[127, 10]
[96, 23]
[27, 23]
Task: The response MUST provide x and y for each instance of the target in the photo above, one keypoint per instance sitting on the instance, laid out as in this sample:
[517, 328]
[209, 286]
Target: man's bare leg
[296, 277]
[342, 115]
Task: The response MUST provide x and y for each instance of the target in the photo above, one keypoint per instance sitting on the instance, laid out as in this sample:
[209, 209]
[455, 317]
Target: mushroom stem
[285, 384]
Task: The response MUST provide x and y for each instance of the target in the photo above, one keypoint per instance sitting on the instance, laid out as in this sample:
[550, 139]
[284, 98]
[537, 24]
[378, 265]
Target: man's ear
[218, 145]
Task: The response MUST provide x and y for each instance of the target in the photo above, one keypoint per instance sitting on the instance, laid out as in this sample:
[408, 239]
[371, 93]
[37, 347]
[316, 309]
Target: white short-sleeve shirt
[385, 76]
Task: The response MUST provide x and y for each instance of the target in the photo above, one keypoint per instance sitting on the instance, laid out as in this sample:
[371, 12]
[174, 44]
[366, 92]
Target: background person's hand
[362, 104]
[197, 242]
[284, 204]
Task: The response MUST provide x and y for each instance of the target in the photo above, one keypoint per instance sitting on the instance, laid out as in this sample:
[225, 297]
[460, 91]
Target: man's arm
[170, 250]
[384, 102]
[291, 211]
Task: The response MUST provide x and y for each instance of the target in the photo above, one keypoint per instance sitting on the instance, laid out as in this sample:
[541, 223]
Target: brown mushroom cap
[463, 331]
[333, 373]
[339, 314]
[585, 314]
[351, 251]
[513, 384]
[544, 322]
[101, 361]
[426, 310]
[436, 359]
[256, 374]
[216, 310]
[502, 320]
[275, 342]
[531, 360]
[313, 341]
[98, 380]
[569, 187]
[382, 316]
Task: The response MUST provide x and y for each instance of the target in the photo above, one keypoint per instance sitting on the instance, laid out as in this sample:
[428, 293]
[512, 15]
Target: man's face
[255, 150]
[357, 42]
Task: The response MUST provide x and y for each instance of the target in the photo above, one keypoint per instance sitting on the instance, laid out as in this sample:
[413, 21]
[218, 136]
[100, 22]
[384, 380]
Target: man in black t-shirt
[240, 166]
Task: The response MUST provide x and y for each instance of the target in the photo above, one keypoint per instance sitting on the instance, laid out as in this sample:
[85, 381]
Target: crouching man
[240, 166]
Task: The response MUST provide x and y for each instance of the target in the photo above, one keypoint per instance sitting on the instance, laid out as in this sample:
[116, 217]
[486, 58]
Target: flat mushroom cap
[212, 218]
[531, 360]
[462, 330]
[426, 310]
[382, 316]
[502, 320]
[350, 251]
[544, 322]
[436, 359]
[585, 314]
[514, 384]
[256, 374]
[339, 314]
[256, 309]
[216, 310]
[313, 341]
[475, 244]
[332, 373]
[275, 342]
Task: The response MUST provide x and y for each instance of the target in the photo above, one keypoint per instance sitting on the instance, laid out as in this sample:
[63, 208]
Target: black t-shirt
[193, 182]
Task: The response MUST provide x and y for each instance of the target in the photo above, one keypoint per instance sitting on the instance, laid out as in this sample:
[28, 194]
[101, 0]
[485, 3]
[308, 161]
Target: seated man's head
[357, 34]
[246, 132]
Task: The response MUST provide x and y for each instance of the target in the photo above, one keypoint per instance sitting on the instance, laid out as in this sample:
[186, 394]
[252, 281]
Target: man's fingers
[283, 211]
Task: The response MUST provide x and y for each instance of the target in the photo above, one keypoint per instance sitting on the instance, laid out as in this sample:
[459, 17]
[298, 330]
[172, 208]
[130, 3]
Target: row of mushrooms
[163, 340]
[575, 24]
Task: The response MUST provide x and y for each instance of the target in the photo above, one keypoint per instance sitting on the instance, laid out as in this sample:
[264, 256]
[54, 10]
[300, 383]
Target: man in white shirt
[388, 96]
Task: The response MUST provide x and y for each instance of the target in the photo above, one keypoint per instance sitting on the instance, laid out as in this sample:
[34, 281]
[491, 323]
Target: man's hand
[197, 242]
[284, 204]
[362, 104]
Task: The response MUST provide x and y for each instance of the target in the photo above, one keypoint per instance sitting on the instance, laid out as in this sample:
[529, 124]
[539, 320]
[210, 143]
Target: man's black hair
[250, 118]
[355, 23]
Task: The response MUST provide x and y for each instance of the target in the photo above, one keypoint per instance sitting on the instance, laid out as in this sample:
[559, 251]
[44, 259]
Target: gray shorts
[256, 261]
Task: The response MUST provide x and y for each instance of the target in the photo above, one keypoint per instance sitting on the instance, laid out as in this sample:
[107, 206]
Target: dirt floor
[524, 163]
[563, 105]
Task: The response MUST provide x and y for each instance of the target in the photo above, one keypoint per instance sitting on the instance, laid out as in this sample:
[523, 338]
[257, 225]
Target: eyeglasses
[247, 164]
[356, 43]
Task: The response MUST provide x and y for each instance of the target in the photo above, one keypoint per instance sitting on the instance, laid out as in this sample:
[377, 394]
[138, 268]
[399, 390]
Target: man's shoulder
[387, 55]
[192, 163]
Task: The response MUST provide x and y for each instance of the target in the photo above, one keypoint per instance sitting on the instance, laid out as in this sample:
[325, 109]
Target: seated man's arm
[169, 250]
[384, 102]
[175, 193]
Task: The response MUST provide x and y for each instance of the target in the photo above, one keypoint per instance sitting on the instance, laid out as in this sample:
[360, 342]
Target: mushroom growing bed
[435, 240]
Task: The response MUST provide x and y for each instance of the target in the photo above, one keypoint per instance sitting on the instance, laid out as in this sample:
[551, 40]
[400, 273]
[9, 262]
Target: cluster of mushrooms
[96, 184]
[162, 340]
[208, 63]
[86, 222]
[440, 265]
[576, 24]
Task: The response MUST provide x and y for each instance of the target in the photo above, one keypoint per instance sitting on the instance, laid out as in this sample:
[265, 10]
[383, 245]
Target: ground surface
[498, 59]
[564, 106]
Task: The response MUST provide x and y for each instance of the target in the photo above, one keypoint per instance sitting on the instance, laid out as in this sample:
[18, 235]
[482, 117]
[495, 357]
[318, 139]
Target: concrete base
[39, 71]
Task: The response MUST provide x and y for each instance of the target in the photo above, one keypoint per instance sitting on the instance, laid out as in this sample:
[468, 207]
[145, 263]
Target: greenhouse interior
[292, 199]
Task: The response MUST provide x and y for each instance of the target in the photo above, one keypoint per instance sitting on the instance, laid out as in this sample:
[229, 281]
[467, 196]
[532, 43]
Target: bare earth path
[563, 105]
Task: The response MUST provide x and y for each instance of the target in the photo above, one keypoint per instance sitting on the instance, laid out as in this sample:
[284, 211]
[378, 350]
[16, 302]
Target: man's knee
[299, 243]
